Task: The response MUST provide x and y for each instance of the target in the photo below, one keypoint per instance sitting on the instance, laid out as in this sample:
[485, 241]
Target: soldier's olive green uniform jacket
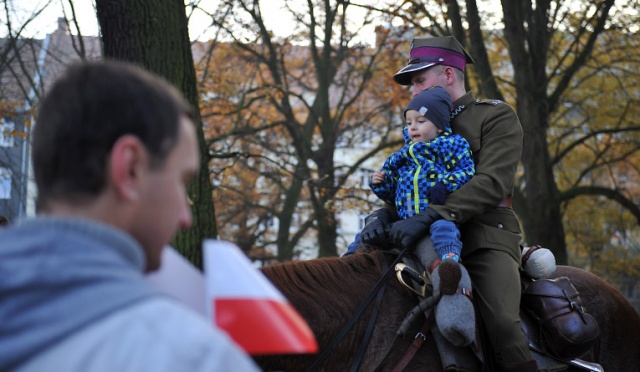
[491, 233]
[495, 135]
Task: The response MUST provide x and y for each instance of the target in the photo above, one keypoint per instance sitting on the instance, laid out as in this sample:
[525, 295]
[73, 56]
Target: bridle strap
[420, 338]
[423, 307]
[352, 321]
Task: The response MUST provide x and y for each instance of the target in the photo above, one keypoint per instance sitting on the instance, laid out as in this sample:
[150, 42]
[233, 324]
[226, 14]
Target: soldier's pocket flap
[496, 230]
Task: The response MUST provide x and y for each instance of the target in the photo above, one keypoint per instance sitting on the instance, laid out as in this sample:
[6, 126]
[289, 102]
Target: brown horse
[327, 292]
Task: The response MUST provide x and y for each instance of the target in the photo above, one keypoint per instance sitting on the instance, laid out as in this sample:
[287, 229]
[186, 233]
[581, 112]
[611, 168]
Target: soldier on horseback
[482, 207]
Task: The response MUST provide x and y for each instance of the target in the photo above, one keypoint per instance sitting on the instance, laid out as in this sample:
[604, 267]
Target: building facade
[30, 67]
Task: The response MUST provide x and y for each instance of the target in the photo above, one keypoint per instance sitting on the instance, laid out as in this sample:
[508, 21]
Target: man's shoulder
[164, 318]
[489, 107]
[155, 334]
[166, 321]
[487, 101]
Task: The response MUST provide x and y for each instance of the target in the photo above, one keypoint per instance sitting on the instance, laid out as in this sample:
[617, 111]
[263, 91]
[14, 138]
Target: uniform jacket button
[452, 215]
[500, 226]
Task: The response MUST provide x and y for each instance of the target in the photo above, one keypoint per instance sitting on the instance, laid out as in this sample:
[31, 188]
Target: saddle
[552, 317]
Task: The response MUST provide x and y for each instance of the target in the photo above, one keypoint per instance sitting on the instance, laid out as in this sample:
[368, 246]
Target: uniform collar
[460, 104]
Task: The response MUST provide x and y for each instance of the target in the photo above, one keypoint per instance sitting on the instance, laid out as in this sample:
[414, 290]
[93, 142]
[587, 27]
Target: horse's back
[327, 292]
[617, 348]
[321, 291]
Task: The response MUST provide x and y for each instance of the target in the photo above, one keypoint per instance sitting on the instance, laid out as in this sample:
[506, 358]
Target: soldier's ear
[449, 74]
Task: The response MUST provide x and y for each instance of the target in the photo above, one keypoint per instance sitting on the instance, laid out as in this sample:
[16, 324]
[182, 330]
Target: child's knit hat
[433, 103]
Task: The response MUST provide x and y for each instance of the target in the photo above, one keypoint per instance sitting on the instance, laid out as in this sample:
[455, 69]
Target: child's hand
[378, 177]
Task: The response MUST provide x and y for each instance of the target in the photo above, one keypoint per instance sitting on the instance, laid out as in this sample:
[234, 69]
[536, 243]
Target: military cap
[429, 51]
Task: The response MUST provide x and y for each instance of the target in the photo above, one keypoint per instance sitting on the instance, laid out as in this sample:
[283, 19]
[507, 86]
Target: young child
[434, 162]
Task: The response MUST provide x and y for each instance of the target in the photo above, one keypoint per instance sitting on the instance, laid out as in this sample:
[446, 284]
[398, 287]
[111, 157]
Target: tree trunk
[285, 217]
[327, 234]
[154, 34]
[542, 218]
[323, 195]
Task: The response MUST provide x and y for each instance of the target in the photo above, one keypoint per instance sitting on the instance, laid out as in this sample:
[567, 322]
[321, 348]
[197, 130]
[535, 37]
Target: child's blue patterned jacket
[412, 170]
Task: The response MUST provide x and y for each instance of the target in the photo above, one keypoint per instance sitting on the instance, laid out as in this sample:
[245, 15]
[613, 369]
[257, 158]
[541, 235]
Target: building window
[5, 183]
[6, 133]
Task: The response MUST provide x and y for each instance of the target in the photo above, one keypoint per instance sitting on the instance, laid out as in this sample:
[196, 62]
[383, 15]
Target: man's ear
[128, 161]
[449, 74]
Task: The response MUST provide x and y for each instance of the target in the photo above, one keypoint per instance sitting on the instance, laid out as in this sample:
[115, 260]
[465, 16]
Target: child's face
[420, 128]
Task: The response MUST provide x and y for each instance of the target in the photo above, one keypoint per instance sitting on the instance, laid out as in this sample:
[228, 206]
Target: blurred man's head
[116, 144]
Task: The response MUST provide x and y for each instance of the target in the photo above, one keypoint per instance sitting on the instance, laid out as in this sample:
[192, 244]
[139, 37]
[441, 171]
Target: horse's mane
[345, 280]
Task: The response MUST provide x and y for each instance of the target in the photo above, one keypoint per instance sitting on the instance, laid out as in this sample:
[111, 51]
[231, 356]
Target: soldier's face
[421, 80]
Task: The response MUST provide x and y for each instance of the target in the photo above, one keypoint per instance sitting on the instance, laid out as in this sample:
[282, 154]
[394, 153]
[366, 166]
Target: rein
[372, 322]
[356, 315]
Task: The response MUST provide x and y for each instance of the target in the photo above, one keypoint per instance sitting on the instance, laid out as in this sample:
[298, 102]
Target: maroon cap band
[438, 55]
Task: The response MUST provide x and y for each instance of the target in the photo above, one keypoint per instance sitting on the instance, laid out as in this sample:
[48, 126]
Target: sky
[47, 21]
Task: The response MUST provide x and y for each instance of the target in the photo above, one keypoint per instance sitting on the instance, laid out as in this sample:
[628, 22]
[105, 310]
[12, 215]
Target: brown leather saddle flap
[566, 330]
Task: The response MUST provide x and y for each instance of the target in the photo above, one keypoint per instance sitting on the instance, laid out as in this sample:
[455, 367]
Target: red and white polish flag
[242, 301]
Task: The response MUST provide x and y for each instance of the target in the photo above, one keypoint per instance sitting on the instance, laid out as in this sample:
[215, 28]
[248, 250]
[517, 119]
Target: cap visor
[403, 77]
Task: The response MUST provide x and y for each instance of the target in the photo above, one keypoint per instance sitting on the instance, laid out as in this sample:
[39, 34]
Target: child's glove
[437, 193]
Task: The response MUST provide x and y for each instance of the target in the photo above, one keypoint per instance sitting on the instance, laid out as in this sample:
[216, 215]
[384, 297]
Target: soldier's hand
[406, 233]
[376, 227]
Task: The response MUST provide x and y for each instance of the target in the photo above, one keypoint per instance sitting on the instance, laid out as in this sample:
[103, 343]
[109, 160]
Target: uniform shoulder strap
[488, 101]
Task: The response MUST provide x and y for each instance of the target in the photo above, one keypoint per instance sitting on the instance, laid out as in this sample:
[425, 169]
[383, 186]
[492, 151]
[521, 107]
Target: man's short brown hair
[83, 115]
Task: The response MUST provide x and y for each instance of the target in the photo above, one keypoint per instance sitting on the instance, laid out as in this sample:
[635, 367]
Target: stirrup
[417, 282]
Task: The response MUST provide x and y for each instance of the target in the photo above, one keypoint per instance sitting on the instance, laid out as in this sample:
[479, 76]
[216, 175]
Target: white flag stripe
[180, 279]
[231, 275]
